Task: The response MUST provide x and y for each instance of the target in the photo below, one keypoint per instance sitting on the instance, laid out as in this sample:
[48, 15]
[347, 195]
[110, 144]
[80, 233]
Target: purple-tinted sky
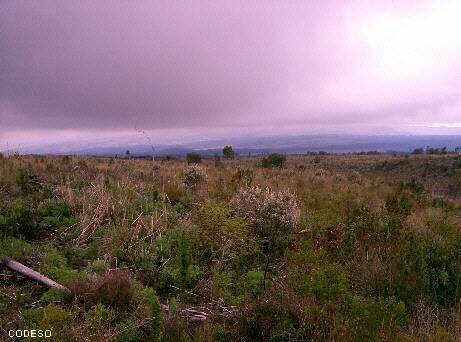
[102, 67]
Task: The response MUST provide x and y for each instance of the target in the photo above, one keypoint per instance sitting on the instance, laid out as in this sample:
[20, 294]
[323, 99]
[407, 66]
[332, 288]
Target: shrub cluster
[193, 175]
[193, 158]
[273, 160]
[270, 214]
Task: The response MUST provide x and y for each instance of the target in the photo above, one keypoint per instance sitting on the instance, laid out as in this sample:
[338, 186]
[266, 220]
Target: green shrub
[221, 234]
[217, 160]
[18, 218]
[99, 316]
[55, 214]
[176, 195]
[399, 204]
[55, 266]
[271, 318]
[273, 160]
[177, 246]
[52, 296]
[23, 180]
[443, 203]
[454, 184]
[98, 267]
[127, 331]
[194, 175]
[193, 158]
[253, 283]
[147, 298]
[228, 152]
[429, 269]
[14, 248]
[371, 319]
[188, 274]
[31, 318]
[415, 186]
[223, 286]
[220, 334]
[58, 320]
[328, 282]
[21, 218]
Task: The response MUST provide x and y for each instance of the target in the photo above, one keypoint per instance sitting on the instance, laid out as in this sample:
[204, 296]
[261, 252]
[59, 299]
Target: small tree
[193, 175]
[228, 152]
[127, 153]
[193, 158]
[273, 160]
[272, 216]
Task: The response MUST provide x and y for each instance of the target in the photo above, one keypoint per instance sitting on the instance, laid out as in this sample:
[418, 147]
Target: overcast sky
[92, 68]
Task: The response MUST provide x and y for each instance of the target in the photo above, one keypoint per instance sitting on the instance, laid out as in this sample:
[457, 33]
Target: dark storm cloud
[116, 64]
[171, 64]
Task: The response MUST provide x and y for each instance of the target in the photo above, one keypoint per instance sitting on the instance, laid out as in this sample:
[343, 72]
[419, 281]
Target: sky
[173, 69]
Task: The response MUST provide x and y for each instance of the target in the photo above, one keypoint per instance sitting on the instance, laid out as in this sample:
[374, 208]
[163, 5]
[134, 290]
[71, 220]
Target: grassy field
[334, 248]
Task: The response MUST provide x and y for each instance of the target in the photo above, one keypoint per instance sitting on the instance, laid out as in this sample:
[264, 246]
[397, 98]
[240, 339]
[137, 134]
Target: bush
[193, 175]
[355, 177]
[177, 247]
[429, 270]
[187, 273]
[328, 282]
[58, 320]
[116, 289]
[98, 267]
[55, 266]
[253, 283]
[415, 186]
[243, 177]
[18, 218]
[399, 204]
[55, 214]
[228, 152]
[370, 319]
[270, 214]
[273, 160]
[14, 248]
[99, 316]
[147, 298]
[222, 287]
[272, 318]
[23, 180]
[193, 158]
[221, 234]
[176, 194]
[31, 317]
[52, 296]
[127, 332]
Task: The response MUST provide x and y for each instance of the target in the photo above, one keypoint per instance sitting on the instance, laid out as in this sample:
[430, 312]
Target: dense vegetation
[318, 247]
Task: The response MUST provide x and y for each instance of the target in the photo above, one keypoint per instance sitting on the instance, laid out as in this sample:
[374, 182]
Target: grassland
[334, 248]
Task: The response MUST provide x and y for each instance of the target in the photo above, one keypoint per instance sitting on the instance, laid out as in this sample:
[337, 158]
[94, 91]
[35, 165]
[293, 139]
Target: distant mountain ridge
[290, 144]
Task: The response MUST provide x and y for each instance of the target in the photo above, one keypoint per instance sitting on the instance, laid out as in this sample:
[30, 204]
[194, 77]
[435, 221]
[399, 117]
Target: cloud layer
[88, 65]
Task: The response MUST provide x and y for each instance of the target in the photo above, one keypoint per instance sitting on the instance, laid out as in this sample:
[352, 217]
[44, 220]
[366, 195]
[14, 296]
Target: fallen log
[26, 271]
